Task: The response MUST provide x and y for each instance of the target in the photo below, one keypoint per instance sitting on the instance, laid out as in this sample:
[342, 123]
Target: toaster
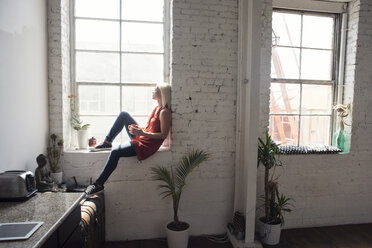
[17, 185]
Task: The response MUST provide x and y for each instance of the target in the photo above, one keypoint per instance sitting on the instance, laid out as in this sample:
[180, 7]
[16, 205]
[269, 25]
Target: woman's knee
[115, 153]
[124, 114]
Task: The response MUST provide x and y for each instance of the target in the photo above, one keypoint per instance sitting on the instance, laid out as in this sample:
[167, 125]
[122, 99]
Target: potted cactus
[172, 184]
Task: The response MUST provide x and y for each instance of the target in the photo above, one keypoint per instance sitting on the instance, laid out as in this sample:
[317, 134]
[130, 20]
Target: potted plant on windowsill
[77, 124]
[172, 185]
[275, 204]
[54, 151]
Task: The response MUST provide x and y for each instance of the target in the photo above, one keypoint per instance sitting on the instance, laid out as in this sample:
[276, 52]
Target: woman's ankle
[98, 184]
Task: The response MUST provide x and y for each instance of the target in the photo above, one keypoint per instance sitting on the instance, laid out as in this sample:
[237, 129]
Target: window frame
[74, 84]
[335, 69]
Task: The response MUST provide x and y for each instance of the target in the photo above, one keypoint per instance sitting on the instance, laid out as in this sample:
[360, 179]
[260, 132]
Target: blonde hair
[165, 90]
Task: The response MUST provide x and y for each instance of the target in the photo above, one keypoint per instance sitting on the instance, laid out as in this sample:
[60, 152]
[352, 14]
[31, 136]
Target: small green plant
[174, 183]
[54, 151]
[275, 204]
[76, 122]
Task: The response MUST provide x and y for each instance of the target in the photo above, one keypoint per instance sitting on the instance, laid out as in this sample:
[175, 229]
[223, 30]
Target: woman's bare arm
[165, 121]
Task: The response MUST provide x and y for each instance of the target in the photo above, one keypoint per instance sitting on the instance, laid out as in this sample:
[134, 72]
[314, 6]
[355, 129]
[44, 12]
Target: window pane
[97, 35]
[142, 37]
[315, 130]
[143, 10]
[285, 63]
[99, 126]
[316, 99]
[97, 67]
[96, 100]
[288, 28]
[317, 32]
[142, 68]
[138, 100]
[98, 8]
[284, 129]
[316, 64]
[284, 98]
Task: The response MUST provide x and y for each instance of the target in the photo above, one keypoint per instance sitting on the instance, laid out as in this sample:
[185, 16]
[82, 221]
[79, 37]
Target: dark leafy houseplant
[54, 151]
[275, 204]
[173, 183]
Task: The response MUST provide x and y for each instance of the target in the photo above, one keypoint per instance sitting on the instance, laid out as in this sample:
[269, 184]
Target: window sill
[85, 151]
[308, 150]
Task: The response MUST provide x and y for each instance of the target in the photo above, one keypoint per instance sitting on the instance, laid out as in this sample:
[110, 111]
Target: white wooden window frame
[338, 54]
[75, 85]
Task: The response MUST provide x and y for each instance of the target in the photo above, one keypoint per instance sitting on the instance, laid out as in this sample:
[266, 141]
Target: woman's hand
[165, 121]
[135, 130]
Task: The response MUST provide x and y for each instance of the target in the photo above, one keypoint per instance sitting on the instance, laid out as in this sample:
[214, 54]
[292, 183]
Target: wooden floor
[347, 236]
[194, 242]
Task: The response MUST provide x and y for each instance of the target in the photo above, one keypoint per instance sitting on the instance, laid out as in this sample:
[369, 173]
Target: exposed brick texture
[204, 43]
[59, 67]
[328, 189]
[336, 189]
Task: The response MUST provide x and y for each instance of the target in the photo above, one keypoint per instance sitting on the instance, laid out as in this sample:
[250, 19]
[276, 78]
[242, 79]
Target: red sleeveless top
[144, 146]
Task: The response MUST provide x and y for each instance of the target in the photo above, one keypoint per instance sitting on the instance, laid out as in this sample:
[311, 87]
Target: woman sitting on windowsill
[144, 141]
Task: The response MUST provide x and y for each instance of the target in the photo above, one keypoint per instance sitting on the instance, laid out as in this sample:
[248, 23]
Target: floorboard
[194, 242]
[346, 236]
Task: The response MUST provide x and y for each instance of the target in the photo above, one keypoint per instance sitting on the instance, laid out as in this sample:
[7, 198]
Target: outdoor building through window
[120, 52]
[303, 71]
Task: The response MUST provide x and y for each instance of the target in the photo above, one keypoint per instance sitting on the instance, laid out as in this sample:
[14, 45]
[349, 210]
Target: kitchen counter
[51, 208]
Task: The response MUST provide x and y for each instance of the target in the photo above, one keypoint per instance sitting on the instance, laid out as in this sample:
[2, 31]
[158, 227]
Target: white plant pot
[269, 234]
[83, 139]
[57, 177]
[177, 239]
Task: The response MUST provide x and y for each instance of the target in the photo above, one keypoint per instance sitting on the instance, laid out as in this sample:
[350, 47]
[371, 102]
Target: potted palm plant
[77, 124]
[54, 151]
[275, 204]
[172, 184]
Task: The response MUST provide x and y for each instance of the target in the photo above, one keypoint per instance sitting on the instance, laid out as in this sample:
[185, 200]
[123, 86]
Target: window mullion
[306, 81]
[116, 84]
[299, 111]
[116, 20]
[120, 66]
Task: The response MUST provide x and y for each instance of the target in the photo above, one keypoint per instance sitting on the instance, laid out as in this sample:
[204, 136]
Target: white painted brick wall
[204, 47]
[54, 67]
[329, 189]
[265, 78]
[59, 68]
[337, 189]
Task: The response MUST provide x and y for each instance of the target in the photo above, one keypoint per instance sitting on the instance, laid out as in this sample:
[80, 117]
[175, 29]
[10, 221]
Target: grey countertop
[51, 208]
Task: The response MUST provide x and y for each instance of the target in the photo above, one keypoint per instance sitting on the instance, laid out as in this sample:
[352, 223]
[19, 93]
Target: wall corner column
[248, 115]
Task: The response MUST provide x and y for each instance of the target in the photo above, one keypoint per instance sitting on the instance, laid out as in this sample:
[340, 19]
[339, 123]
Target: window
[303, 75]
[120, 52]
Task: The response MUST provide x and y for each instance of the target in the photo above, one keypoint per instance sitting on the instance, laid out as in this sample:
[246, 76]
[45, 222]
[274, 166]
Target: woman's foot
[94, 189]
[105, 146]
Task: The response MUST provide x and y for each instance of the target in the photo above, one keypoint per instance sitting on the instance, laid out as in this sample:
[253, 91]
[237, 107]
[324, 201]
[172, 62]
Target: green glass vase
[342, 141]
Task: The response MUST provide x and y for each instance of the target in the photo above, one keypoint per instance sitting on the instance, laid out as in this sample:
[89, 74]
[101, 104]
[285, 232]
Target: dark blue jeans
[123, 120]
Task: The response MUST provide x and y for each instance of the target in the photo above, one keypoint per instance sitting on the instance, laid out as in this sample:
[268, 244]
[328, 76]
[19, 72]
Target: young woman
[144, 141]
